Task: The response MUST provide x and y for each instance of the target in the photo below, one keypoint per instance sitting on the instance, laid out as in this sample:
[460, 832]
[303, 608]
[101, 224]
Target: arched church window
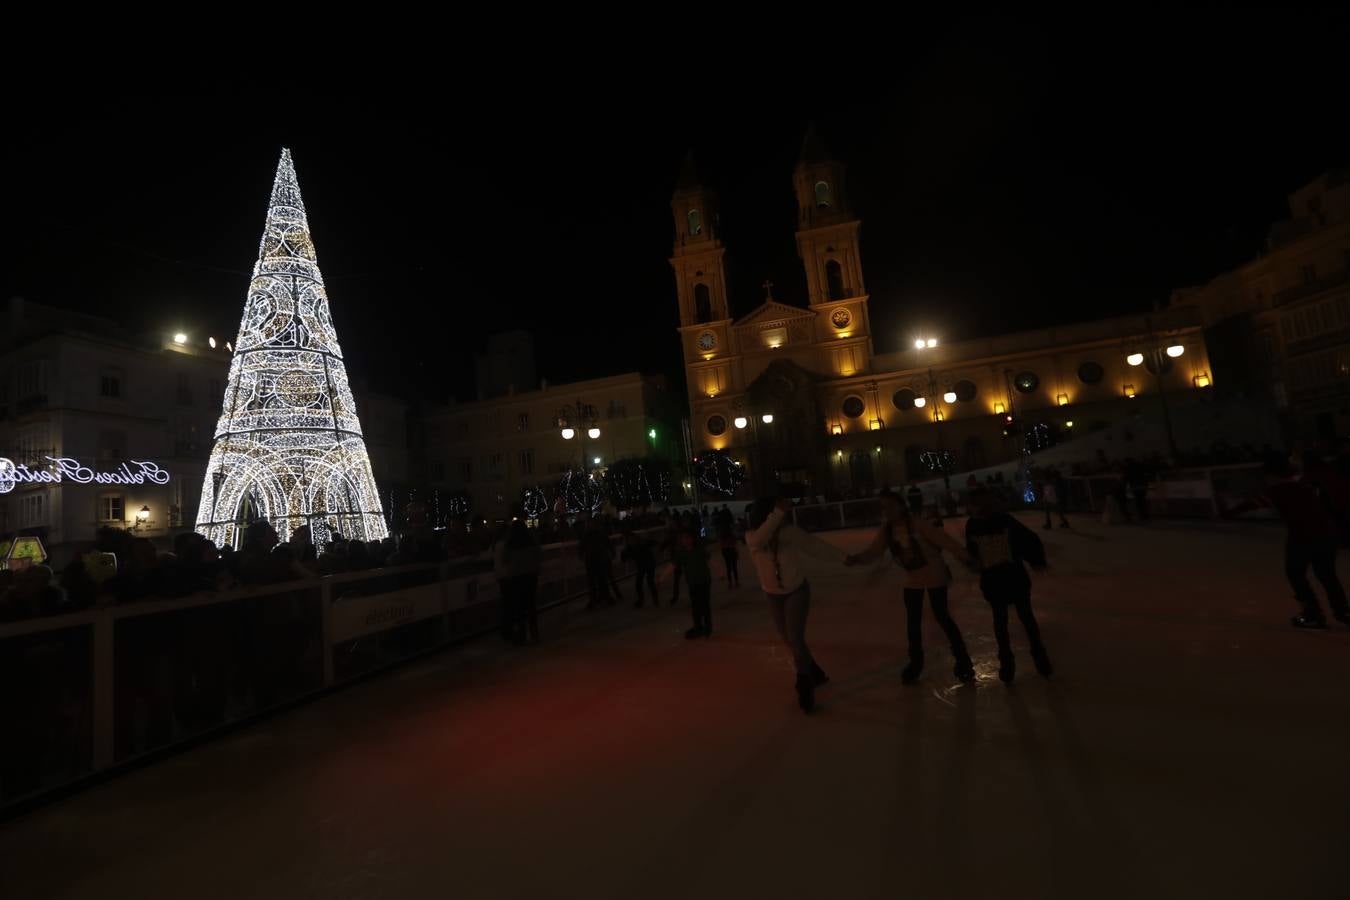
[834, 280]
[822, 194]
[695, 222]
[702, 303]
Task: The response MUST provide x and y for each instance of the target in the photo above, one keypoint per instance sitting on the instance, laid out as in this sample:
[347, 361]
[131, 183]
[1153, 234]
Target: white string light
[288, 445]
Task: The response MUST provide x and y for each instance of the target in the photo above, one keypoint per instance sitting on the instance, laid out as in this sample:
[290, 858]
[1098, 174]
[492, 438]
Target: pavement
[1191, 744]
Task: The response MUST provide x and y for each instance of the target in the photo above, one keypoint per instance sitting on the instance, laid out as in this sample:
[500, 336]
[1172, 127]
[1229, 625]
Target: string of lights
[718, 473]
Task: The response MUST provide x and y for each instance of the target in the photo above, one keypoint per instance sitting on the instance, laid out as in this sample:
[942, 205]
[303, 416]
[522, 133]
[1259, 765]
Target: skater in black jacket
[1001, 545]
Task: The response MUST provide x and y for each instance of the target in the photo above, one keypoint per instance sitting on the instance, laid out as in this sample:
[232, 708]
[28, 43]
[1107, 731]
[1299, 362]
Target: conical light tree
[288, 447]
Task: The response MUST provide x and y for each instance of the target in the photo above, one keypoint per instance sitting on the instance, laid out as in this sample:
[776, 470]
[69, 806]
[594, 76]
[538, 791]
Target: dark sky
[1008, 174]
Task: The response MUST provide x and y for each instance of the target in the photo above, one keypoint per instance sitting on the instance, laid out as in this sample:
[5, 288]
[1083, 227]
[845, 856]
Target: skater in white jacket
[778, 548]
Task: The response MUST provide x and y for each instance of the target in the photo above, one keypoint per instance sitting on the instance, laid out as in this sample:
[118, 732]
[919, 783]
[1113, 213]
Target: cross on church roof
[768, 290]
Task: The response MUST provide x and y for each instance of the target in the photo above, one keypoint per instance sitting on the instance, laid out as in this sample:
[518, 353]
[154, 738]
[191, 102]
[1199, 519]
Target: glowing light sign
[64, 468]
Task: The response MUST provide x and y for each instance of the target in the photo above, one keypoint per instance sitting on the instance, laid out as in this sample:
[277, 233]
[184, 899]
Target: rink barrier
[89, 692]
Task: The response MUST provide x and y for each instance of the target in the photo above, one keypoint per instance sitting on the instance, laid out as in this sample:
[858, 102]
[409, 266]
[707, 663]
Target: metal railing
[93, 690]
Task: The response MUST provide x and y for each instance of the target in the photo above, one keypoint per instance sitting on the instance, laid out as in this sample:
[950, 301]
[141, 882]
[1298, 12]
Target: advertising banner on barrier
[355, 617]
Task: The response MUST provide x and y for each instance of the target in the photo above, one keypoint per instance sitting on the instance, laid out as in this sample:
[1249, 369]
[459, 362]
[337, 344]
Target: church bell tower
[827, 242]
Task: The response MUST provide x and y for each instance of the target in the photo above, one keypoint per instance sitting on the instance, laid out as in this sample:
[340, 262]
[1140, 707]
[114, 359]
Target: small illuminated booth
[22, 552]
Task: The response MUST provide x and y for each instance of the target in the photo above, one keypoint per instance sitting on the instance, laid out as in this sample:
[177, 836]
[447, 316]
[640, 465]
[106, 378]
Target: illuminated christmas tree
[288, 445]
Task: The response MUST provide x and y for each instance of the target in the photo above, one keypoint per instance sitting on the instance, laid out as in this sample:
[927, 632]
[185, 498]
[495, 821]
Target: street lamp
[740, 422]
[767, 418]
[571, 418]
[142, 516]
[1159, 361]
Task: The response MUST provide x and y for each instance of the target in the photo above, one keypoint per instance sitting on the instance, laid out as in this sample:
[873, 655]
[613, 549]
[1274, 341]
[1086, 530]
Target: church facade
[801, 396]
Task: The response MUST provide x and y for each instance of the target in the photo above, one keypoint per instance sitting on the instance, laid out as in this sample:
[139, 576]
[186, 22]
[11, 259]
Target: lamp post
[938, 399]
[751, 422]
[1157, 359]
[579, 421]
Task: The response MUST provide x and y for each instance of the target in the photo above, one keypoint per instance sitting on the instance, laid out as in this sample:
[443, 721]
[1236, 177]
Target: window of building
[31, 511]
[1026, 382]
[466, 468]
[461, 430]
[1309, 273]
[184, 389]
[527, 462]
[494, 461]
[523, 422]
[32, 446]
[695, 222]
[110, 385]
[834, 280]
[1090, 373]
[822, 195]
[716, 425]
[853, 407]
[110, 508]
[903, 399]
[702, 303]
[438, 470]
[30, 379]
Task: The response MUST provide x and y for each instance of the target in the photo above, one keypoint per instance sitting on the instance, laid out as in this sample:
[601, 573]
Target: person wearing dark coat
[597, 553]
[1002, 547]
[639, 550]
[1310, 540]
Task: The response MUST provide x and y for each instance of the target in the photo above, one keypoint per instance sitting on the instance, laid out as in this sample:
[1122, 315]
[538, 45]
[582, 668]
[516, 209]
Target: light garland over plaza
[288, 446]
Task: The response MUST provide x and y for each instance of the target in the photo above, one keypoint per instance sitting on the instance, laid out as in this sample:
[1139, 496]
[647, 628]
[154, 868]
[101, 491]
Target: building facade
[77, 388]
[493, 450]
[800, 396]
[1280, 325]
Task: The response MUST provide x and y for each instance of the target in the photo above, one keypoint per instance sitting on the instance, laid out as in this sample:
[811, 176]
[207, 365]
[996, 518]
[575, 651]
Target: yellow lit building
[800, 395]
[1280, 324]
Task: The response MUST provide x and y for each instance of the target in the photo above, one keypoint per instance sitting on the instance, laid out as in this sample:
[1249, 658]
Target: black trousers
[597, 578]
[790, 612]
[937, 599]
[701, 604]
[648, 575]
[677, 573]
[1057, 507]
[1321, 555]
[1018, 598]
[731, 558]
[520, 611]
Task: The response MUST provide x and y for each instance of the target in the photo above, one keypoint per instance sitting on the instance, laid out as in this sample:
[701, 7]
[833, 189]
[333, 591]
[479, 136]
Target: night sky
[1008, 175]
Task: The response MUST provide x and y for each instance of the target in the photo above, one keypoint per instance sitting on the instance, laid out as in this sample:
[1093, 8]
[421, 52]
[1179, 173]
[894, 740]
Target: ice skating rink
[1191, 745]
